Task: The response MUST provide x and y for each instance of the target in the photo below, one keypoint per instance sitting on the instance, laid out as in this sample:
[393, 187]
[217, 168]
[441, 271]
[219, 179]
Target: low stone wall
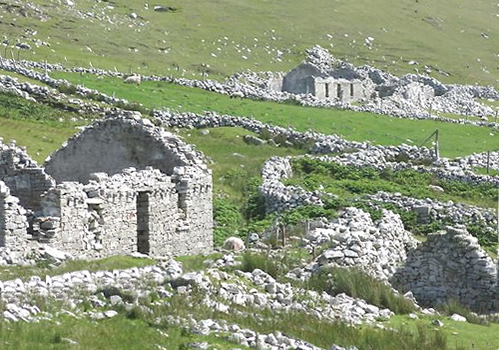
[279, 197]
[450, 266]
[405, 99]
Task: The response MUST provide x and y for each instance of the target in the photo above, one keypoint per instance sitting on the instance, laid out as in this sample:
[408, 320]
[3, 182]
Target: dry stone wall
[116, 143]
[195, 196]
[128, 212]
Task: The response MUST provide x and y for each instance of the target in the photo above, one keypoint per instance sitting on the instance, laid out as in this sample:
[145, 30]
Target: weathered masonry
[120, 186]
[342, 84]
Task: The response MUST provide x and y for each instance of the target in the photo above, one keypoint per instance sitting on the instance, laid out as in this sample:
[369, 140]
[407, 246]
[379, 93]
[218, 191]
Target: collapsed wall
[25, 179]
[13, 223]
[450, 266]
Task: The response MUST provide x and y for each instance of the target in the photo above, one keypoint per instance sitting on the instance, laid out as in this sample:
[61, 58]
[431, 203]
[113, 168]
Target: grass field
[457, 37]
[459, 334]
[455, 140]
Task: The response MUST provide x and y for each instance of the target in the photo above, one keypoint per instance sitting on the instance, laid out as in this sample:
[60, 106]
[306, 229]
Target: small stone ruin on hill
[120, 186]
[333, 82]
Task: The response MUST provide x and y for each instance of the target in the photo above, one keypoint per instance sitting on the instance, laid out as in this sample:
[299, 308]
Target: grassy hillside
[458, 37]
[457, 40]
[455, 140]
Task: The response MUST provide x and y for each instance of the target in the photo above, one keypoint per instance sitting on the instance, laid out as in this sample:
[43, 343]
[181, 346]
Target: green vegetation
[454, 307]
[196, 262]
[350, 184]
[139, 328]
[44, 267]
[39, 128]
[276, 264]
[119, 332]
[333, 281]
[455, 139]
[319, 332]
[235, 164]
[358, 284]
[229, 36]
[452, 40]
[460, 335]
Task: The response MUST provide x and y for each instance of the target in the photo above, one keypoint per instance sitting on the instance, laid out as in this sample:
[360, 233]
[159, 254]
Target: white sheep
[133, 79]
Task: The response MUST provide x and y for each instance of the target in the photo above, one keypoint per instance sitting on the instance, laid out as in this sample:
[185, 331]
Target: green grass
[320, 332]
[38, 127]
[42, 269]
[110, 334]
[196, 262]
[350, 182]
[40, 140]
[232, 160]
[462, 334]
[444, 36]
[455, 140]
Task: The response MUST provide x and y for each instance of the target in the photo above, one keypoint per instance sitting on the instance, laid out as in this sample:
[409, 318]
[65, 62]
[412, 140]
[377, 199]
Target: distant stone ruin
[341, 83]
[120, 186]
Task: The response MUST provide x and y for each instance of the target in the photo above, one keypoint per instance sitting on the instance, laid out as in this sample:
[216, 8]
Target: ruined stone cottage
[341, 83]
[122, 185]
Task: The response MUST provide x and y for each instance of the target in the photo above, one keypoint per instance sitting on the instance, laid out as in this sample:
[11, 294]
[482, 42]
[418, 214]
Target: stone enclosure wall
[124, 186]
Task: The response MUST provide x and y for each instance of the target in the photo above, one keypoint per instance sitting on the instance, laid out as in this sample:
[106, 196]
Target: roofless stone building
[339, 83]
[122, 185]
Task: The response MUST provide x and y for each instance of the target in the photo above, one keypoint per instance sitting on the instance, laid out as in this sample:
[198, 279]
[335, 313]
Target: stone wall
[22, 175]
[136, 211]
[353, 240]
[300, 80]
[116, 143]
[448, 266]
[341, 89]
[195, 200]
[13, 223]
[124, 186]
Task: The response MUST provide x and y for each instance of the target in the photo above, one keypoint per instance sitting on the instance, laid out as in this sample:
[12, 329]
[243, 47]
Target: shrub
[252, 261]
[358, 284]
[227, 219]
[277, 264]
[67, 88]
[254, 206]
[294, 216]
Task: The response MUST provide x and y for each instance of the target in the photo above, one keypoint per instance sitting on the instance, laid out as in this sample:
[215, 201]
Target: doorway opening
[143, 245]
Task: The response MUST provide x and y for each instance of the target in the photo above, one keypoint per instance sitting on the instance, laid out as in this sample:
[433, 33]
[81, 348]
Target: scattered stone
[458, 318]
[437, 323]
[234, 244]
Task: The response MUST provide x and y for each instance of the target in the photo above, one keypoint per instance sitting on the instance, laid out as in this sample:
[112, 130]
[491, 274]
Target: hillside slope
[456, 40]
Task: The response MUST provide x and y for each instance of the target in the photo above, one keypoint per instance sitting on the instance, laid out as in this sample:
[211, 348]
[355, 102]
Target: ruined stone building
[122, 185]
[341, 83]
